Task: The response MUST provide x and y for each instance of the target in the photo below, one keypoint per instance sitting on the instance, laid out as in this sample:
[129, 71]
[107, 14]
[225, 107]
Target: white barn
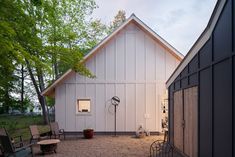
[133, 63]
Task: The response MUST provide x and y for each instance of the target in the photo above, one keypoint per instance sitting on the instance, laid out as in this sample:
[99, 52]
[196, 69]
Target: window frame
[77, 107]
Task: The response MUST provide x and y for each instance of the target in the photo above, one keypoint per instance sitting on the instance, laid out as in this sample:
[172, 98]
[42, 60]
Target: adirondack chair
[17, 141]
[56, 131]
[8, 148]
[35, 135]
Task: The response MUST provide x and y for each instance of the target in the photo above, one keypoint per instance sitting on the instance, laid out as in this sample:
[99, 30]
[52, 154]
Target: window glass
[83, 105]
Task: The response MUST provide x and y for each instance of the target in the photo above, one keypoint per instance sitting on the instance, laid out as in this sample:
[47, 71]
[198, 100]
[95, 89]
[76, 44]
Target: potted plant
[88, 133]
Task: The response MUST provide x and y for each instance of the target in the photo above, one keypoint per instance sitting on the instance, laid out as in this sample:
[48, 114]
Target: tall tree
[118, 19]
[61, 26]
[66, 32]
[12, 52]
[45, 37]
[38, 65]
[20, 74]
[20, 43]
[95, 33]
[6, 87]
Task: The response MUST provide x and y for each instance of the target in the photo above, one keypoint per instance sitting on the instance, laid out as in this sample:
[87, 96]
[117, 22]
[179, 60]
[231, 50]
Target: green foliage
[46, 37]
[18, 38]
[6, 86]
[27, 104]
[82, 70]
[9, 53]
[50, 101]
[95, 33]
[66, 33]
[118, 20]
[19, 125]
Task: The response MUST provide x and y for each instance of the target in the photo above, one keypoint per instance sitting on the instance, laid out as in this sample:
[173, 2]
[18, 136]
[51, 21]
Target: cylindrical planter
[88, 133]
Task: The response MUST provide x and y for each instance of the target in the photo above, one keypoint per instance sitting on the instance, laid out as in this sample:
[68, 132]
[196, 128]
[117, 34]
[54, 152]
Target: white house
[133, 63]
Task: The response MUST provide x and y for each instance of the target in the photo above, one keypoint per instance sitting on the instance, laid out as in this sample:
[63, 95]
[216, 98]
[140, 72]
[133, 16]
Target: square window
[83, 106]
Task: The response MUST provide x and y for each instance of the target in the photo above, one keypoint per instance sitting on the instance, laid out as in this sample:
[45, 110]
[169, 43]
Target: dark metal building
[201, 90]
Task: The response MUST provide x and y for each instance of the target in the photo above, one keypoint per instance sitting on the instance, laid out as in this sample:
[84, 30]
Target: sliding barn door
[190, 120]
[178, 119]
[185, 121]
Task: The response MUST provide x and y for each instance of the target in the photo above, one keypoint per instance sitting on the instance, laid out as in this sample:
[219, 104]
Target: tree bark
[41, 98]
[7, 101]
[54, 60]
[22, 88]
[55, 66]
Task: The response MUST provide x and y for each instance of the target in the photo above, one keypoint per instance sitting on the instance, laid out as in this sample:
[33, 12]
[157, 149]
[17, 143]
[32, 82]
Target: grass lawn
[19, 125]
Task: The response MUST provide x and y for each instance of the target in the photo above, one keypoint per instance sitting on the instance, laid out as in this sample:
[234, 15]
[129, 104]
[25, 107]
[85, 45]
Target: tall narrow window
[83, 106]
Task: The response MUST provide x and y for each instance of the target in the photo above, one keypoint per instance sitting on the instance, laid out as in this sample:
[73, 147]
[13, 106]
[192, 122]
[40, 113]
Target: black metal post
[115, 101]
[115, 120]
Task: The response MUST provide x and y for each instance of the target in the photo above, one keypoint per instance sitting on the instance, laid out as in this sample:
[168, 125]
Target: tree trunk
[41, 98]
[54, 60]
[55, 66]
[42, 87]
[22, 88]
[6, 104]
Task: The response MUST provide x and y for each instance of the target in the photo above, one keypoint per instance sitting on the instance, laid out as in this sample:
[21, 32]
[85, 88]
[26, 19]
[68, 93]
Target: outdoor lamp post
[115, 101]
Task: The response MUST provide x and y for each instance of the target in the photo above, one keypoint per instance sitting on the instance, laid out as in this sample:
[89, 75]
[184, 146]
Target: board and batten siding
[133, 67]
[210, 65]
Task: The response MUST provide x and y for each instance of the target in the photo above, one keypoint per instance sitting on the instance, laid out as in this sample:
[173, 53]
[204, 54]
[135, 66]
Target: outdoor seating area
[74, 145]
[98, 145]
[103, 145]
[78, 145]
[17, 146]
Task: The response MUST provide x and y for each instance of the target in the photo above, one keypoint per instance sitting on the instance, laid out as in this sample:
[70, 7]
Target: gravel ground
[103, 146]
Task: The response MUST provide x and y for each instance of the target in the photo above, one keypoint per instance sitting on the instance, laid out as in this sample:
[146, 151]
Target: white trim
[83, 113]
[205, 36]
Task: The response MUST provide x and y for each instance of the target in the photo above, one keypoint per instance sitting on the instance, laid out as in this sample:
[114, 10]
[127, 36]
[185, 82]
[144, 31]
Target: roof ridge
[142, 26]
[133, 15]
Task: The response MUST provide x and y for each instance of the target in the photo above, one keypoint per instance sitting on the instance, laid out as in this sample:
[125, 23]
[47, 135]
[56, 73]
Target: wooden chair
[9, 149]
[56, 131]
[17, 141]
[35, 135]
[161, 148]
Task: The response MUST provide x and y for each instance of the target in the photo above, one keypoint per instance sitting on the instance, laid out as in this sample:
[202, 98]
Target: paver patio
[103, 146]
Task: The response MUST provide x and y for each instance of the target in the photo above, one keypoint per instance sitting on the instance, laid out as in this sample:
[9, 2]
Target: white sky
[179, 22]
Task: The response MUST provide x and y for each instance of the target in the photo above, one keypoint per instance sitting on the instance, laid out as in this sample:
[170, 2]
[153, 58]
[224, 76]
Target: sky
[179, 22]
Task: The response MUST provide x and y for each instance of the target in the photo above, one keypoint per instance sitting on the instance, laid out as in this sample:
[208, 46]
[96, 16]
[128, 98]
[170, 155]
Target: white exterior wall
[131, 66]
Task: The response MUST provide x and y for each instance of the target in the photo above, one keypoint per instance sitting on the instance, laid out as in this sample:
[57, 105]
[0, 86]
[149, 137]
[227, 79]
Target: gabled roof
[145, 28]
[49, 91]
[204, 37]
